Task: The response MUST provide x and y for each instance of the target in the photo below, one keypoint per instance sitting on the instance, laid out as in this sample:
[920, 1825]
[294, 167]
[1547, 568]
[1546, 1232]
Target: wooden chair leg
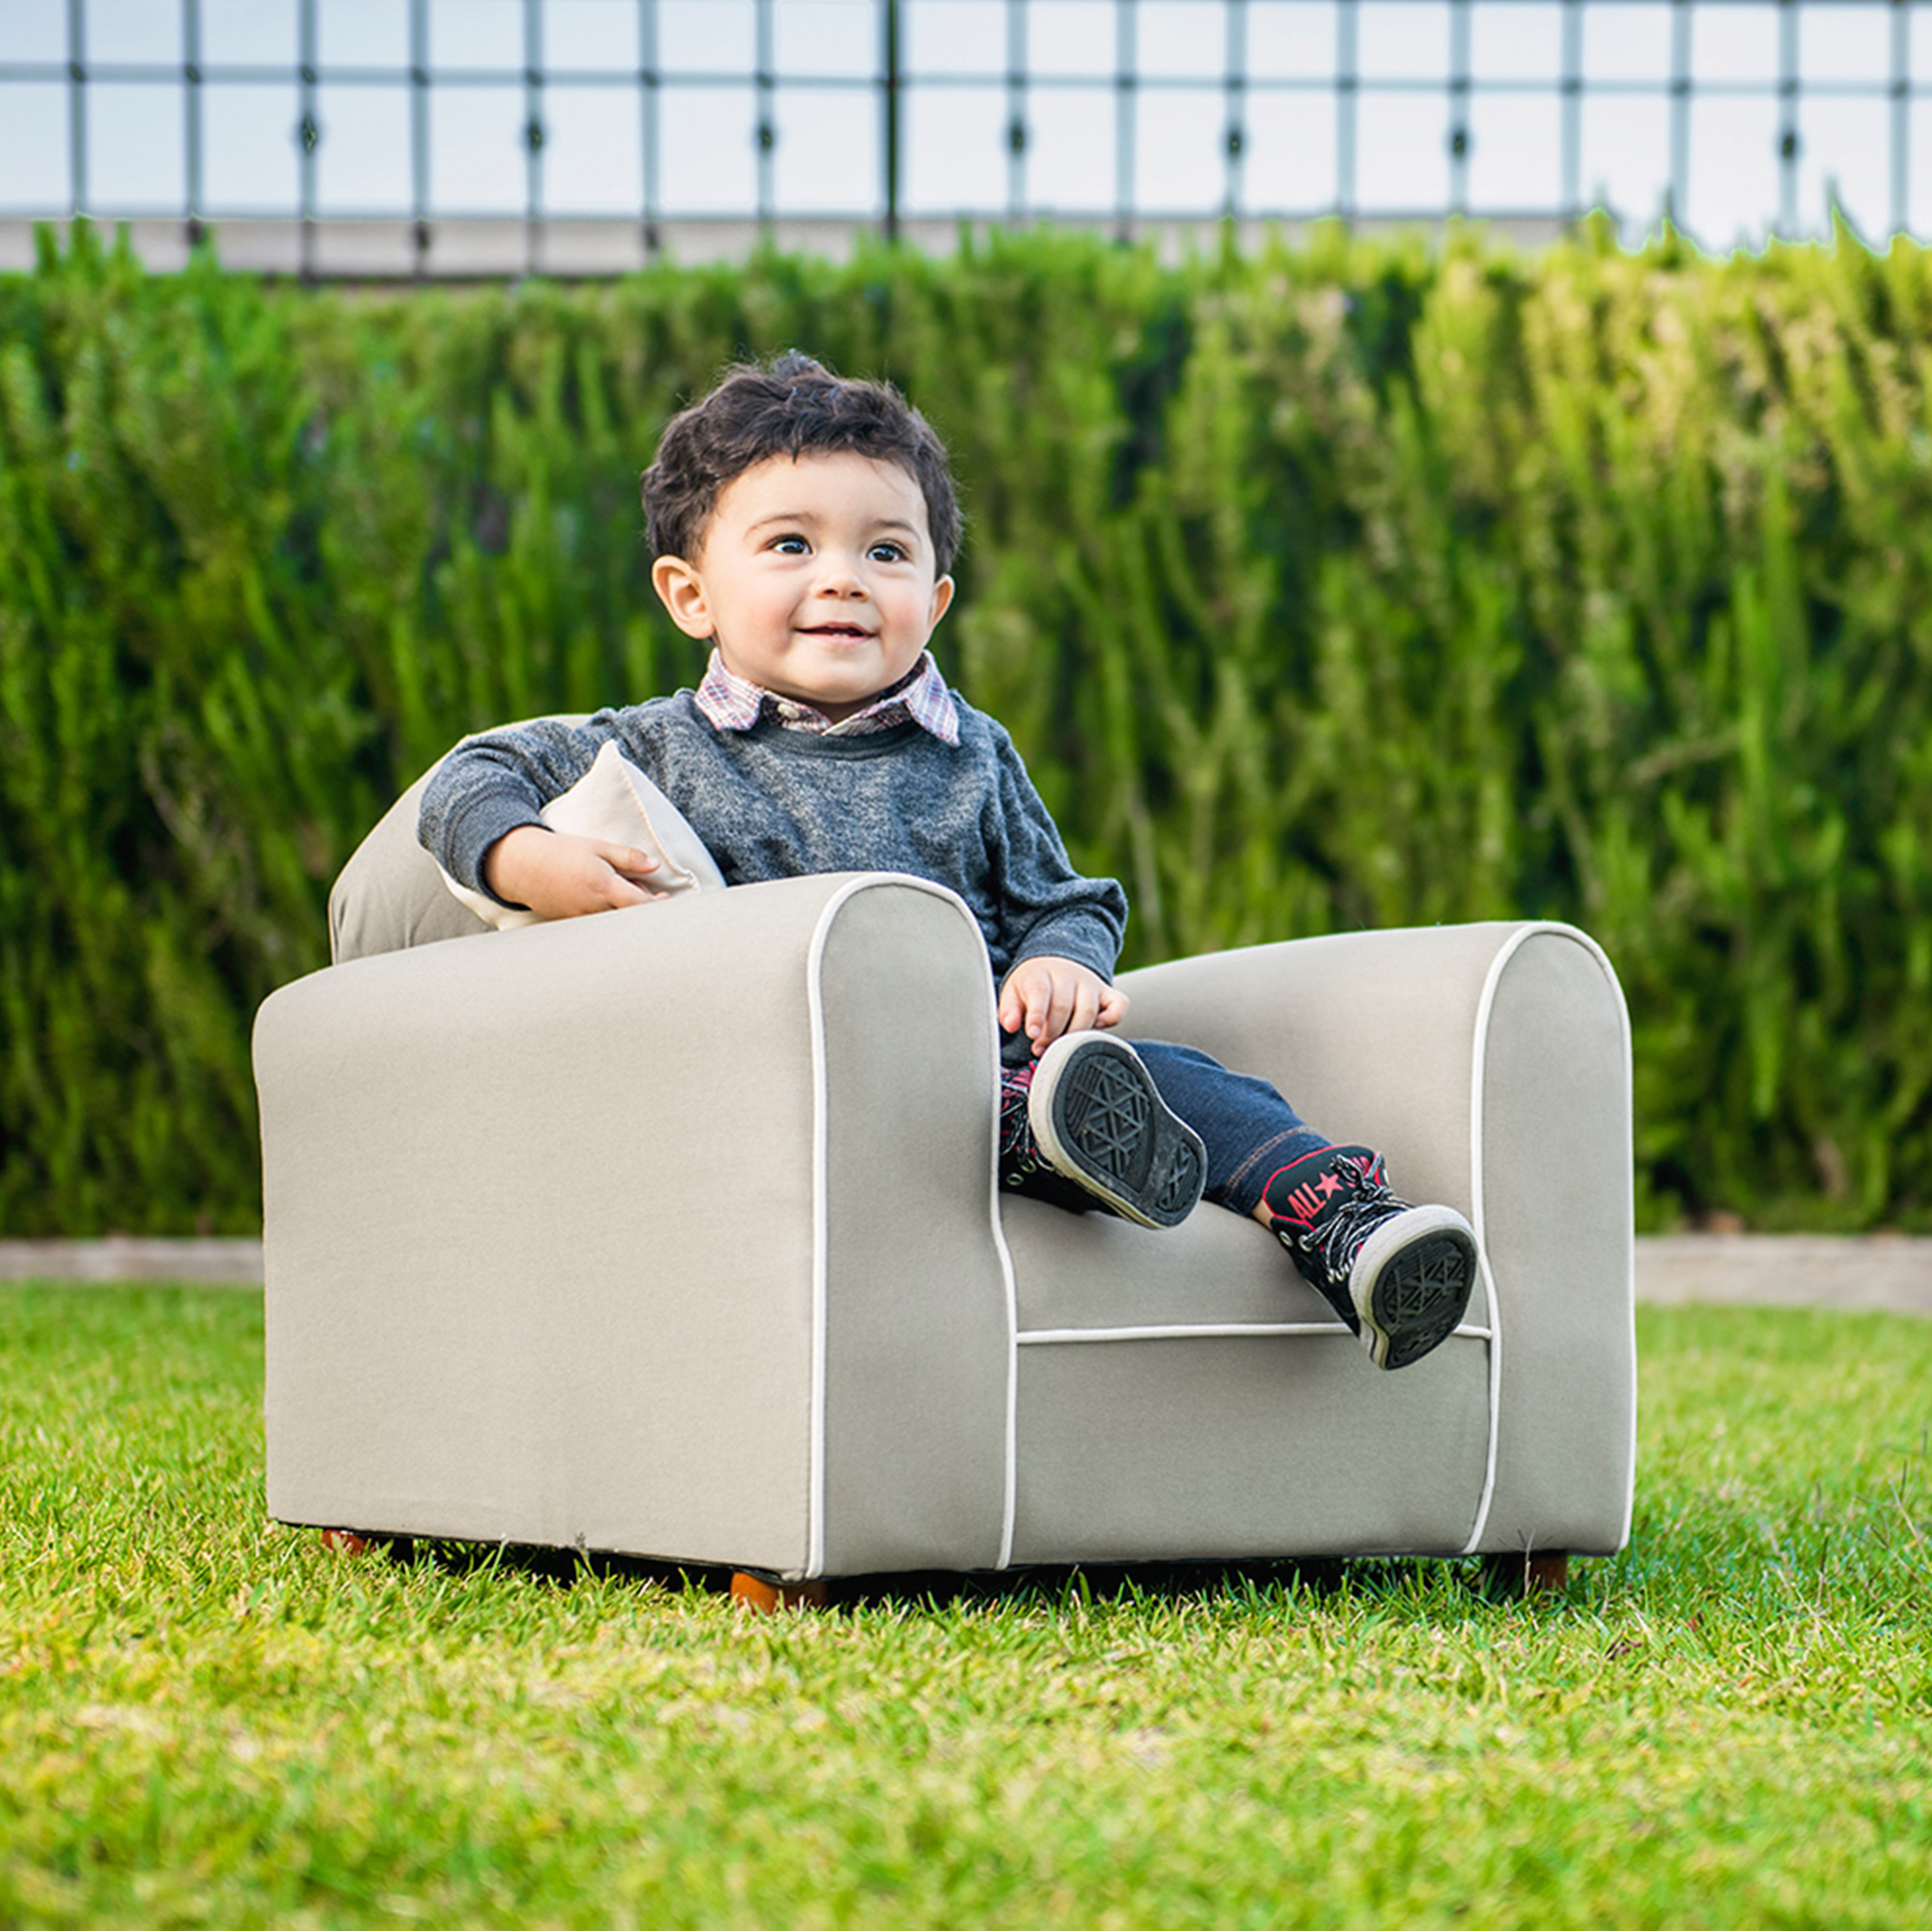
[760, 1593]
[1527, 1572]
[353, 1542]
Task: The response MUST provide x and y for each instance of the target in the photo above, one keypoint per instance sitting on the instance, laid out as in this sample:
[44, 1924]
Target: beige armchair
[676, 1232]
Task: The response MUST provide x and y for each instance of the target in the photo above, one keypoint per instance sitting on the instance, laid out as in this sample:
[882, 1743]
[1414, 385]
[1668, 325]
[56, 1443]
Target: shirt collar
[733, 702]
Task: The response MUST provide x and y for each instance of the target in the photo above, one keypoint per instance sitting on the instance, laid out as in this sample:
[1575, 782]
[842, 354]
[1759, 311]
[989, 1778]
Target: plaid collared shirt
[733, 703]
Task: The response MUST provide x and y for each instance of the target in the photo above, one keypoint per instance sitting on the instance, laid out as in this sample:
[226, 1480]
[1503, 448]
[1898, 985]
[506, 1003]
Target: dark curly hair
[794, 406]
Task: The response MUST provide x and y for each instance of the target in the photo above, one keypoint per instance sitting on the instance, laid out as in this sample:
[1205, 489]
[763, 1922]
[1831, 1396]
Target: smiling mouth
[844, 631]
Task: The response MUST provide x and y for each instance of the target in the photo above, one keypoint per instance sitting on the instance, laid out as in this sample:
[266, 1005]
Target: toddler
[803, 525]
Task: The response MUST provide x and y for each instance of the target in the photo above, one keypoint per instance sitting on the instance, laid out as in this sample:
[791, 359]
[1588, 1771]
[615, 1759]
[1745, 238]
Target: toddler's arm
[1045, 997]
[1050, 918]
[559, 876]
[479, 818]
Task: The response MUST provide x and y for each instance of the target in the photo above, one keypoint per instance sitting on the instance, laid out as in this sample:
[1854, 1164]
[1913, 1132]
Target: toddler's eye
[886, 552]
[790, 545]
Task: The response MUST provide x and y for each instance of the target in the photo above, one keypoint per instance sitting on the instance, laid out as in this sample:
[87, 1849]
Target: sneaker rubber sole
[1099, 1120]
[1411, 1283]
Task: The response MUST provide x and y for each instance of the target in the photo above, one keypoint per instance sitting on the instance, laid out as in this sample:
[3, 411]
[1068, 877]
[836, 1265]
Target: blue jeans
[1249, 1130]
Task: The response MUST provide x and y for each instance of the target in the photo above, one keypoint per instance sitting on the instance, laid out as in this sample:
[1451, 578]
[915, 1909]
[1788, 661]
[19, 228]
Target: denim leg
[1249, 1130]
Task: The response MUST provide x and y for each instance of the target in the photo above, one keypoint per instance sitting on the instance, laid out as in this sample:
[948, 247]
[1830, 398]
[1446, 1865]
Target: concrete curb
[122, 1257]
[1891, 1273]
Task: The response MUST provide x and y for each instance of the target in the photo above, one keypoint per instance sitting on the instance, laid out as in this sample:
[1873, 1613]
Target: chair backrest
[391, 895]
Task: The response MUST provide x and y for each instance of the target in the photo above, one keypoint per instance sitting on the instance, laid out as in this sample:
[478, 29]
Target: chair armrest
[1490, 1064]
[670, 1231]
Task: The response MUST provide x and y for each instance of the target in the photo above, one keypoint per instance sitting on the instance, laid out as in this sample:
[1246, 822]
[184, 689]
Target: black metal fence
[1732, 115]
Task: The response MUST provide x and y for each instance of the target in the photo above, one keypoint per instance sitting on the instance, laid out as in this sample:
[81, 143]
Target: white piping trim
[1484, 1009]
[1040, 1337]
[1010, 1516]
[1480, 1046]
[815, 1445]
[815, 1481]
[1629, 1215]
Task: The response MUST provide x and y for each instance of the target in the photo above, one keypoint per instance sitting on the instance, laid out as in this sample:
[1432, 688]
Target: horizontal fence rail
[1734, 117]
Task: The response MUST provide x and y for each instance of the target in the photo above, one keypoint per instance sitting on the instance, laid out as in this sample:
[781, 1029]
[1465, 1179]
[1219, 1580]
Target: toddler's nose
[841, 577]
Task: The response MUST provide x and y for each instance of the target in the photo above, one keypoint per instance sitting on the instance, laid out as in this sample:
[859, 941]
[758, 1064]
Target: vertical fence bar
[308, 137]
[77, 106]
[1787, 117]
[648, 121]
[1459, 106]
[889, 80]
[1572, 85]
[767, 128]
[1016, 110]
[419, 132]
[191, 124]
[1348, 87]
[1234, 137]
[1124, 56]
[1900, 90]
[534, 134]
[1677, 195]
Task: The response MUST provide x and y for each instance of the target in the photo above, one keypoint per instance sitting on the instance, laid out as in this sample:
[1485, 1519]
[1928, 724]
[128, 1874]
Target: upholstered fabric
[1499, 1083]
[674, 1231]
[390, 896]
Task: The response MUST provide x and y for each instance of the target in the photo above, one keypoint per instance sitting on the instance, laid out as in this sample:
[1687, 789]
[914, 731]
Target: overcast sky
[826, 157]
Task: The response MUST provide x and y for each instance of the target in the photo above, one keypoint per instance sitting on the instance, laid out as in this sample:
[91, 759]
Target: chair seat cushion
[1216, 1271]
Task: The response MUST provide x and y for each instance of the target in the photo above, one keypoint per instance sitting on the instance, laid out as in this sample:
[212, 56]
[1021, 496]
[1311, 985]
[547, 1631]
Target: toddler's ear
[943, 597]
[682, 592]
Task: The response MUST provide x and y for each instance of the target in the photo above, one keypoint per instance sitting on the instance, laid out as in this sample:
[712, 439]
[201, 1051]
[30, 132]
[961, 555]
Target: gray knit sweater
[772, 803]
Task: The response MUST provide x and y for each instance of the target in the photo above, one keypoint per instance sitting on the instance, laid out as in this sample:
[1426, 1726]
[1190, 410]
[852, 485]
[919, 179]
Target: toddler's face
[816, 579]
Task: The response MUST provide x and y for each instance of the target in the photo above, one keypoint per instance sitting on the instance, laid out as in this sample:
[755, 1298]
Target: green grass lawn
[205, 1717]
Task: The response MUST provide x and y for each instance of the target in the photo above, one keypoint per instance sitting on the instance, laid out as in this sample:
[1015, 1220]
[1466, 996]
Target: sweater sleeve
[497, 781]
[1046, 906]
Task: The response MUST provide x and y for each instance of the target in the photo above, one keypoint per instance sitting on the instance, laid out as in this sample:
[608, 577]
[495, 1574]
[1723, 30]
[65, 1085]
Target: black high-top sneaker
[1097, 1134]
[1022, 1168]
[1399, 1275]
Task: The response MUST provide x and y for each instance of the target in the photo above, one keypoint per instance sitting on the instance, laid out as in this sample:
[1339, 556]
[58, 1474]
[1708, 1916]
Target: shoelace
[1352, 1220]
[1019, 1156]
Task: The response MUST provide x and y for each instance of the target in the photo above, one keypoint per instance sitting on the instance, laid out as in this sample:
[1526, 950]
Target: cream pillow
[615, 802]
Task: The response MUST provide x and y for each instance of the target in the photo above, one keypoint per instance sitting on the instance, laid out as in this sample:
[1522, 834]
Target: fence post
[308, 134]
[77, 106]
[1677, 196]
[1901, 118]
[1126, 59]
[1573, 112]
[889, 64]
[1788, 140]
[534, 132]
[1016, 110]
[648, 119]
[191, 103]
[764, 78]
[1348, 85]
[419, 133]
[1234, 132]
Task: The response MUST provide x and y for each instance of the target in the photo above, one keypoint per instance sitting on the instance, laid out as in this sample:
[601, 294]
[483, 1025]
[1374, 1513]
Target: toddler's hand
[559, 876]
[1045, 997]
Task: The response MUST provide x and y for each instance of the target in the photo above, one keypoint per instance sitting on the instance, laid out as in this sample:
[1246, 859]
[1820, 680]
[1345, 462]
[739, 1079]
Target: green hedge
[1362, 584]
